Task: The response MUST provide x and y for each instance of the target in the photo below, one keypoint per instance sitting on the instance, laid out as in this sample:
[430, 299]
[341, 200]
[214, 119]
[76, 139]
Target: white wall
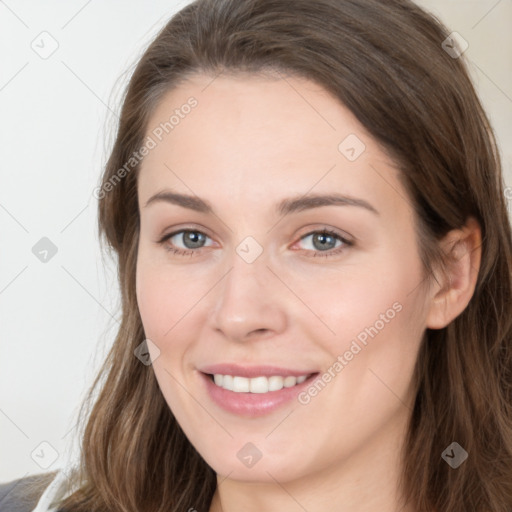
[59, 317]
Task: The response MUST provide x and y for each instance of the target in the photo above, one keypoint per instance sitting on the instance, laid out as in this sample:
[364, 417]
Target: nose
[250, 302]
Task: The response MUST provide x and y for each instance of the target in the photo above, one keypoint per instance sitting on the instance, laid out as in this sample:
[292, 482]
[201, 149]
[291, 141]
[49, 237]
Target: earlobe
[456, 287]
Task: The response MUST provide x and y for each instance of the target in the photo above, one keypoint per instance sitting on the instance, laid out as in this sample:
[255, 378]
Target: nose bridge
[247, 274]
[248, 299]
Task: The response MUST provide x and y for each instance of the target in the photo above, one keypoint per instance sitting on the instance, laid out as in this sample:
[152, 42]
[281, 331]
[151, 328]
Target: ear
[454, 290]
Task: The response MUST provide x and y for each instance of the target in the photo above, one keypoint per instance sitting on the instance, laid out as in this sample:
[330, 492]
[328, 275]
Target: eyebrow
[286, 206]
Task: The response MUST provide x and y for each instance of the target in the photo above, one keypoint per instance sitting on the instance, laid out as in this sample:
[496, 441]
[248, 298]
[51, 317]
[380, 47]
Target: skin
[251, 142]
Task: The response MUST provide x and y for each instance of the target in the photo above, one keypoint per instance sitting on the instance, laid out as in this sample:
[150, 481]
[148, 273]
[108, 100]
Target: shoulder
[22, 494]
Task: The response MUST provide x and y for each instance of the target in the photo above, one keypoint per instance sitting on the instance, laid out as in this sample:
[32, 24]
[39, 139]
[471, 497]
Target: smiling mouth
[261, 384]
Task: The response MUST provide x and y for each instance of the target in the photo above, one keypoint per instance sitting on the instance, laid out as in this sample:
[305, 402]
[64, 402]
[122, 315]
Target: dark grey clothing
[22, 494]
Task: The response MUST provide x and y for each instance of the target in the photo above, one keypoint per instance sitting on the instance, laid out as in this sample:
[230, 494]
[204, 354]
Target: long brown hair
[385, 61]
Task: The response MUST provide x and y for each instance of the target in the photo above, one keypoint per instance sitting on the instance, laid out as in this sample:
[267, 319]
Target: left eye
[324, 241]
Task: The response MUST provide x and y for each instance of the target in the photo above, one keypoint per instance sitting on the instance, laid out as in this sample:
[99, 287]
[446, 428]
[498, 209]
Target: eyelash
[324, 254]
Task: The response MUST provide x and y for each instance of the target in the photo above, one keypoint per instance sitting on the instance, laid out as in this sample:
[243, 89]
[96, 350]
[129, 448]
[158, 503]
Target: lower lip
[252, 404]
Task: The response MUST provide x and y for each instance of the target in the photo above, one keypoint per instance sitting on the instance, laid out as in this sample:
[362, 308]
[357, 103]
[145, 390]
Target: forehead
[255, 135]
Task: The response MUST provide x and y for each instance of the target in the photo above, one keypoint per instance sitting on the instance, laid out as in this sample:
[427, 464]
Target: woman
[307, 205]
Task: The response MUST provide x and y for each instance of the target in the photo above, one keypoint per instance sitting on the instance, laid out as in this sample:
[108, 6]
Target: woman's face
[262, 277]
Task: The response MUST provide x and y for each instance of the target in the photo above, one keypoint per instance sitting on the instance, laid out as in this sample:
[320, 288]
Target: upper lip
[252, 371]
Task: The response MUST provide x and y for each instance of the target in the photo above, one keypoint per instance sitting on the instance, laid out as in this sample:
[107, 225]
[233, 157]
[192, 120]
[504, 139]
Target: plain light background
[58, 114]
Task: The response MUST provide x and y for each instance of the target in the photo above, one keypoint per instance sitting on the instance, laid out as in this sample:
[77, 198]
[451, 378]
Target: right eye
[191, 240]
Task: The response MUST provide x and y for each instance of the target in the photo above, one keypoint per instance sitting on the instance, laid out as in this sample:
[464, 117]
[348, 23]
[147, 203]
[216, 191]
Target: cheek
[372, 295]
[149, 299]
[163, 297]
[377, 314]
[162, 303]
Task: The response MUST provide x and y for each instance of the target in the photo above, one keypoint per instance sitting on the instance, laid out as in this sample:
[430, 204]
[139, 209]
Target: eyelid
[341, 234]
[316, 228]
[188, 227]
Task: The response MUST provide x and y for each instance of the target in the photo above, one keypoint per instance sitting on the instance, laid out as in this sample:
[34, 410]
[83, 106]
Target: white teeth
[256, 384]
[241, 384]
[275, 383]
[226, 382]
[290, 381]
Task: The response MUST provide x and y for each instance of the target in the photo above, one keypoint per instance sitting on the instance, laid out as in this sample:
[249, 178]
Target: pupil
[323, 238]
[194, 238]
